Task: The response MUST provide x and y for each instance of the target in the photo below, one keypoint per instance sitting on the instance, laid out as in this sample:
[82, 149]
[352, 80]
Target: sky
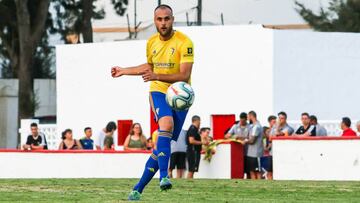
[235, 11]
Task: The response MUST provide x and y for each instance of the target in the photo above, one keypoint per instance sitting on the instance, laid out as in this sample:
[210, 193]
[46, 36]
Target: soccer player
[170, 59]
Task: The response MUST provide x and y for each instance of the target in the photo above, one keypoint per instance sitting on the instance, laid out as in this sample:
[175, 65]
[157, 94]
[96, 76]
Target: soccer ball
[180, 96]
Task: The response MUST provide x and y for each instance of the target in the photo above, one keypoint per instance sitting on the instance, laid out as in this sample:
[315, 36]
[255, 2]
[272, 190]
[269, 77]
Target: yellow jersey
[166, 56]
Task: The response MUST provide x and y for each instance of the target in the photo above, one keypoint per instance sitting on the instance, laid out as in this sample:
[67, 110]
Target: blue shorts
[161, 109]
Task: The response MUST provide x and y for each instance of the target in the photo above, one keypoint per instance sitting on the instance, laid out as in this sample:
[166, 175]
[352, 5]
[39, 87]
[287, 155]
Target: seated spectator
[135, 140]
[87, 142]
[35, 141]
[100, 138]
[358, 127]
[306, 129]
[109, 142]
[68, 143]
[239, 130]
[320, 130]
[346, 127]
[282, 128]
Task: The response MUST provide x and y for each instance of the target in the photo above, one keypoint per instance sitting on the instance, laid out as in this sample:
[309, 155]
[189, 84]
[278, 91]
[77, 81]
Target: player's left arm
[183, 75]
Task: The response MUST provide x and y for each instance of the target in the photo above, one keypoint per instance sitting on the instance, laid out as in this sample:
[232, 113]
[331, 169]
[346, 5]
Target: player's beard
[165, 34]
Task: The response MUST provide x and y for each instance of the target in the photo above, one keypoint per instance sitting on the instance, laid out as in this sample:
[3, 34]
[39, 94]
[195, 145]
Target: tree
[76, 15]
[340, 16]
[22, 27]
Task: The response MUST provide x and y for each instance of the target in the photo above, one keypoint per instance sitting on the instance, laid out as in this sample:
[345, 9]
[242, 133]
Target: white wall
[227, 61]
[8, 113]
[46, 93]
[316, 159]
[98, 165]
[318, 72]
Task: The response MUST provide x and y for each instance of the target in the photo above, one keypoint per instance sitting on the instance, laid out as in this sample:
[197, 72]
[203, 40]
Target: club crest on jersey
[189, 50]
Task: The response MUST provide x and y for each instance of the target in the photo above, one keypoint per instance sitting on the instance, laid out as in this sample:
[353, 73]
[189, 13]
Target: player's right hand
[116, 71]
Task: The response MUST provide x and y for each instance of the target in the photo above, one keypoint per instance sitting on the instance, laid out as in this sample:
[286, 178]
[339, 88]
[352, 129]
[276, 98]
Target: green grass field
[116, 190]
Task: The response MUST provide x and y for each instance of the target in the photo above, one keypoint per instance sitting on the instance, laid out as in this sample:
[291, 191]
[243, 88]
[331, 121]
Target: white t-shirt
[99, 140]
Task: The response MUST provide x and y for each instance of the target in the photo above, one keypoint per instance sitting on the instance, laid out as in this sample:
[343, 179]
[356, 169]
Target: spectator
[205, 137]
[35, 141]
[255, 147]
[346, 127]
[268, 147]
[149, 144]
[178, 156]
[266, 160]
[109, 142]
[135, 140]
[193, 141]
[306, 129]
[282, 128]
[239, 130]
[272, 121]
[68, 143]
[108, 130]
[87, 142]
[320, 130]
[358, 127]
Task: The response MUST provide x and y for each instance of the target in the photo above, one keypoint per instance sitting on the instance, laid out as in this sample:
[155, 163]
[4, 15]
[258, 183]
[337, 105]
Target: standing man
[320, 130]
[306, 129]
[239, 130]
[255, 147]
[346, 127]
[170, 57]
[178, 156]
[282, 128]
[193, 141]
[35, 141]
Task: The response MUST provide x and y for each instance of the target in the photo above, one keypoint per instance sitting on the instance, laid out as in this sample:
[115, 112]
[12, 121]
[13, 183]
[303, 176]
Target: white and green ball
[180, 96]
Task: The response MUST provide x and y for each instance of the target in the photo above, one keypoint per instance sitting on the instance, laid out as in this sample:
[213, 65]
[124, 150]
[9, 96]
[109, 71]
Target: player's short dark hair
[243, 115]
[282, 113]
[162, 6]
[204, 129]
[110, 126]
[33, 125]
[87, 128]
[305, 114]
[65, 132]
[265, 128]
[195, 118]
[252, 113]
[271, 117]
[346, 121]
[313, 118]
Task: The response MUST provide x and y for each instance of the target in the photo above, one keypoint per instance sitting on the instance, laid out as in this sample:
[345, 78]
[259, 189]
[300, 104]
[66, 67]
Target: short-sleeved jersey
[166, 56]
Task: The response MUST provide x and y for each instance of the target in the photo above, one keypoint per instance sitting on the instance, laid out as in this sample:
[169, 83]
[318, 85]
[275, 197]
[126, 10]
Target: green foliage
[340, 16]
[9, 44]
[70, 15]
[120, 6]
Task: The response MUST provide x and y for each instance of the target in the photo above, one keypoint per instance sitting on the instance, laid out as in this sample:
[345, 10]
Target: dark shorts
[178, 160]
[161, 109]
[253, 164]
[266, 163]
[193, 158]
